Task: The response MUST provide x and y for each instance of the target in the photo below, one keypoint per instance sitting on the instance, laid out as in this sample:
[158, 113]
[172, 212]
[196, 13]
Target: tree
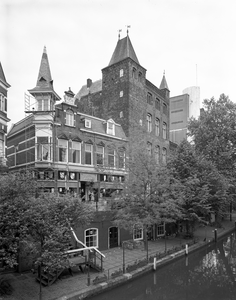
[151, 195]
[41, 224]
[204, 189]
[214, 136]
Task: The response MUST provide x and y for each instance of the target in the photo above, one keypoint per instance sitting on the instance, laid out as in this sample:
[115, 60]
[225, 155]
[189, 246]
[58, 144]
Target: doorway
[113, 237]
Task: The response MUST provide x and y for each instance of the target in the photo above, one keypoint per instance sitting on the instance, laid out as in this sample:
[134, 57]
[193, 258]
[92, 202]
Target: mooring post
[215, 232]
[154, 263]
[186, 249]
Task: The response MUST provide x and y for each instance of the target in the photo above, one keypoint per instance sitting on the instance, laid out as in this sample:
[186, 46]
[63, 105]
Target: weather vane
[128, 26]
[119, 33]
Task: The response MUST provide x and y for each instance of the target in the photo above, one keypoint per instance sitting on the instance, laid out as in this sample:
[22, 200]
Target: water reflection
[207, 274]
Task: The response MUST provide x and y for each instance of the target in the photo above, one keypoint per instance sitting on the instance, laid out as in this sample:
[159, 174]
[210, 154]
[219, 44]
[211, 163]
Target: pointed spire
[2, 77]
[123, 50]
[44, 81]
[164, 84]
[44, 76]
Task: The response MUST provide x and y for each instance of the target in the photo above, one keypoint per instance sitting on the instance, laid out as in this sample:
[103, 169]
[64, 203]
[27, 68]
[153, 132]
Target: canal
[208, 274]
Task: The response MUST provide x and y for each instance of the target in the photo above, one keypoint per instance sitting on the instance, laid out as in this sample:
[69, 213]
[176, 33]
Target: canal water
[208, 274]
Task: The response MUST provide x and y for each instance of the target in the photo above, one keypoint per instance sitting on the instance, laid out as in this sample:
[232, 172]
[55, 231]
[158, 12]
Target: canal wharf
[79, 286]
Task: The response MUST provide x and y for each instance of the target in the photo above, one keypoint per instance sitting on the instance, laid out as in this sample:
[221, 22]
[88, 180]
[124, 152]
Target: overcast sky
[192, 40]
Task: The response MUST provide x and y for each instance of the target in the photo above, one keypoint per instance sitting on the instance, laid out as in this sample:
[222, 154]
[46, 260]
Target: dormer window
[69, 117]
[87, 123]
[110, 127]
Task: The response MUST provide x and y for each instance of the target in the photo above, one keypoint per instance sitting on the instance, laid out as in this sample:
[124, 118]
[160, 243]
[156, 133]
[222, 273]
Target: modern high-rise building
[182, 108]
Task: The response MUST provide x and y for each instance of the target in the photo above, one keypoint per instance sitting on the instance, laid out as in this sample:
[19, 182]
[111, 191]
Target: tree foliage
[204, 188]
[41, 224]
[151, 195]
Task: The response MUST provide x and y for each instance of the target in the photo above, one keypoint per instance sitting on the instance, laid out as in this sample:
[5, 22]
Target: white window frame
[91, 235]
[99, 153]
[70, 118]
[2, 103]
[88, 151]
[111, 155]
[123, 158]
[110, 128]
[44, 101]
[40, 148]
[75, 146]
[65, 144]
[137, 234]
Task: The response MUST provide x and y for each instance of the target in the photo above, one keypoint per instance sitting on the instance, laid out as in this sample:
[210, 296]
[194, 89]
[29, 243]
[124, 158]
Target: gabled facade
[3, 116]
[125, 95]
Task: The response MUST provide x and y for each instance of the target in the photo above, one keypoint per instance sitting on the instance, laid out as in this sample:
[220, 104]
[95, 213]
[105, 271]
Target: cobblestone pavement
[26, 287]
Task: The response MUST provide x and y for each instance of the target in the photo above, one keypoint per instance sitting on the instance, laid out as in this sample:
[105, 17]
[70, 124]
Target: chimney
[89, 83]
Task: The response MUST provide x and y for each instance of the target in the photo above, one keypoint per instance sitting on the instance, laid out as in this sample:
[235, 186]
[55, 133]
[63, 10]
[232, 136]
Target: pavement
[76, 287]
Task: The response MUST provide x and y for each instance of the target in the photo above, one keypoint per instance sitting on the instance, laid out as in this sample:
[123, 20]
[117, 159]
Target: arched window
[164, 130]
[157, 127]
[149, 122]
[69, 117]
[164, 153]
[157, 154]
[91, 237]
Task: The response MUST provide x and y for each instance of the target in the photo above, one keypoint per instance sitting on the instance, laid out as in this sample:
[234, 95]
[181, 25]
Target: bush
[5, 286]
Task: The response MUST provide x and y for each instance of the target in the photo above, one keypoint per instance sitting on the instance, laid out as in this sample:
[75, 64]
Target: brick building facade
[3, 116]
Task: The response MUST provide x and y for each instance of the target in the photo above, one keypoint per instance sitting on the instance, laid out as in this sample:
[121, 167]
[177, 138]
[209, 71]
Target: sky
[193, 41]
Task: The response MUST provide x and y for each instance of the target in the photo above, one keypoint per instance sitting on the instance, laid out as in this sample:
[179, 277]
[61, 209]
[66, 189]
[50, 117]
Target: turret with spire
[164, 86]
[44, 92]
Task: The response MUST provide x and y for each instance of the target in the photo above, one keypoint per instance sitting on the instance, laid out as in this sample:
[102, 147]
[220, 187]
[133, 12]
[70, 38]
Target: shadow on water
[208, 274]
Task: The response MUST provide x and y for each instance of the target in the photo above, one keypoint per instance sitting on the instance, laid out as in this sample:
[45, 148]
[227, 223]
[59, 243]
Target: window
[62, 148]
[141, 122]
[157, 127]
[161, 229]
[87, 123]
[164, 109]
[43, 148]
[110, 128]
[75, 152]
[139, 76]
[91, 237]
[134, 71]
[149, 123]
[149, 149]
[121, 72]
[137, 233]
[111, 157]
[164, 130]
[149, 98]
[69, 117]
[100, 155]
[157, 104]
[121, 114]
[157, 154]
[121, 156]
[88, 154]
[2, 145]
[121, 94]
[164, 152]
[43, 104]
[3, 103]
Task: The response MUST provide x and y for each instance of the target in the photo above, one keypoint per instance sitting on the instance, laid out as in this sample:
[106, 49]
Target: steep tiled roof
[95, 87]
[123, 50]
[163, 84]
[44, 82]
[99, 126]
[2, 77]
[21, 125]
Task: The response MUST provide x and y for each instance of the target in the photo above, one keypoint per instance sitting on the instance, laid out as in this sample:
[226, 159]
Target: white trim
[92, 228]
[103, 134]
